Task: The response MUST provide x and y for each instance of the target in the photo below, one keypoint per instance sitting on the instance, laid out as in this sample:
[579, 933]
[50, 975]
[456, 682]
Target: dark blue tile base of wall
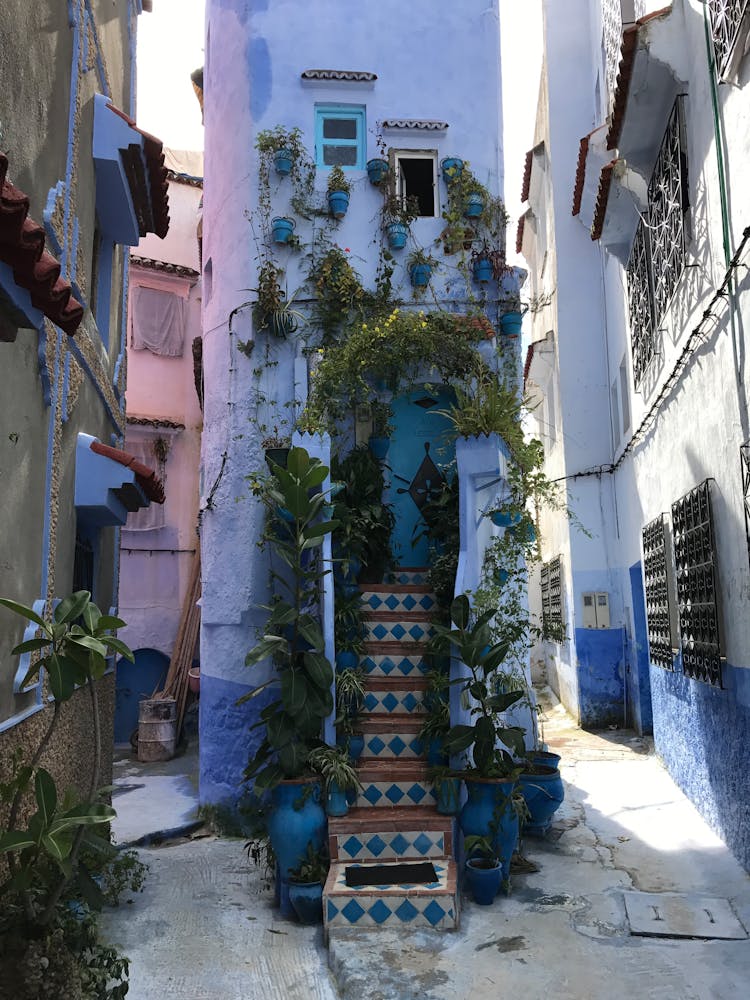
[601, 664]
[703, 734]
[226, 740]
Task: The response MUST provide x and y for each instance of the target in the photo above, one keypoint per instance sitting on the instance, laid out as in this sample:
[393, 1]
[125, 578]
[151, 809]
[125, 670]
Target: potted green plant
[447, 785]
[276, 445]
[348, 630]
[339, 777]
[339, 190]
[398, 213]
[273, 311]
[292, 639]
[420, 266]
[484, 870]
[306, 883]
[350, 697]
[382, 428]
[491, 777]
[365, 521]
[282, 145]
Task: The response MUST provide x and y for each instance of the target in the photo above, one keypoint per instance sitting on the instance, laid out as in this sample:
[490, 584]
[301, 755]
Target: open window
[415, 171]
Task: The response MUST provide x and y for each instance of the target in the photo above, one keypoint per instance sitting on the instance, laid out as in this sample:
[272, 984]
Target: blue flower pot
[277, 456]
[505, 519]
[377, 171]
[297, 820]
[546, 757]
[420, 275]
[434, 752]
[482, 269]
[336, 803]
[452, 168]
[476, 816]
[356, 746]
[525, 533]
[282, 229]
[282, 161]
[346, 659]
[307, 901]
[379, 446]
[511, 323]
[449, 796]
[397, 233]
[474, 205]
[483, 882]
[502, 576]
[338, 202]
[543, 794]
[285, 515]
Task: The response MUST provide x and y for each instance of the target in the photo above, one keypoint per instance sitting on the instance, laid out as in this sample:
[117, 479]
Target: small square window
[340, 136]
[416, 177]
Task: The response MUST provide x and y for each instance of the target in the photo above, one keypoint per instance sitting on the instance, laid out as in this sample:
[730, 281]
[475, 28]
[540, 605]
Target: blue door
[422, 448]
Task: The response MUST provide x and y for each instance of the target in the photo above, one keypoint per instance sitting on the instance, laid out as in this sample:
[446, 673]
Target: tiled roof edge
[346, 75]
[583, 150]
[602, 199]
[178, 270]
[526, 185]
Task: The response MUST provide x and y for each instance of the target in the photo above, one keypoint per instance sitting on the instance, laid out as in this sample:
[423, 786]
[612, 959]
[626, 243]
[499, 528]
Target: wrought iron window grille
[745, 466]
[726, 18]
[659, 586]
[697, 585]
[553, 627]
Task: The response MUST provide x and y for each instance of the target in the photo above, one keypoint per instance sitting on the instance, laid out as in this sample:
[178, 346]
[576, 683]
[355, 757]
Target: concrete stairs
[394, 818]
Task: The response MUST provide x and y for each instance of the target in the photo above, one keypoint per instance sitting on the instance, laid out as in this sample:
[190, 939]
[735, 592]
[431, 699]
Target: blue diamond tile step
[416, 599]
[390, 792]
[394, 695]
[408, 628]
[433, 906]
[393, 664]
[392, 737]
[399, 833]
[408, 576]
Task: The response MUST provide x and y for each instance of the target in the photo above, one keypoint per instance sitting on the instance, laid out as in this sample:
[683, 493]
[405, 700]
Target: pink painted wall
[156, 563]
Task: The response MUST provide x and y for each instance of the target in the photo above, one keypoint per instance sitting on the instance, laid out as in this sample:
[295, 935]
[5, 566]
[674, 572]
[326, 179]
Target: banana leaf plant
[292, 637]
[72, 647]
[495, 747]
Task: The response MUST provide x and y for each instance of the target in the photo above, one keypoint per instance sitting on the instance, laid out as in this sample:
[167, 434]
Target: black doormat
[422, 872]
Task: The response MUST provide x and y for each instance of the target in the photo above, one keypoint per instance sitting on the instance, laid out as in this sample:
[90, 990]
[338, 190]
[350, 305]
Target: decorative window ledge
[413, 125]
[336, 76]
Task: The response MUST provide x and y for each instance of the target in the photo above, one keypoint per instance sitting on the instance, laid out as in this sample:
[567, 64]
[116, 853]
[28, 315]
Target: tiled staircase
[394, 818]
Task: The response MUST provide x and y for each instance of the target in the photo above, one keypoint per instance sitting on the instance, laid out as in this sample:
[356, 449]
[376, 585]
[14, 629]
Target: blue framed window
[340, 136]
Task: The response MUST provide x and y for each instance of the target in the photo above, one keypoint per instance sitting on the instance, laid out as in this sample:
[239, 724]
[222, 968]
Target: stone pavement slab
[155, 798]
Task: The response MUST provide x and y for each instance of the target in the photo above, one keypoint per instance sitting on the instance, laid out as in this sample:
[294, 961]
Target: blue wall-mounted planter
[282, 161]
[420, 275]
[397, 233]
[338, 203]
[482, 269]
[377, 171]
[379, 446]
[502, 576]
[452, 168]
[511, 323]
[504, 518]
[474, 205]
[525, 532]
[282, 229]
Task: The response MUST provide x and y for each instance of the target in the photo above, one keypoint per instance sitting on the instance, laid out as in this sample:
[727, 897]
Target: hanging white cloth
[158, 322]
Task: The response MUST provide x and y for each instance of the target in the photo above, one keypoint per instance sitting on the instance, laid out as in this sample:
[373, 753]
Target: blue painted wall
[703, 734]
[601, 667]
[638, 677]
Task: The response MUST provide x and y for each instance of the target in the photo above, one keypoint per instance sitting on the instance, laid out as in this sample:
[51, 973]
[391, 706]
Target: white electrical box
[595, 610]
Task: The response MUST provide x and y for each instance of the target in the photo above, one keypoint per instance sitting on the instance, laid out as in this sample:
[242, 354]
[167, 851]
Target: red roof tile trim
[583, 151]
[625, 74]
[602, 199]
[527, 363]
[157, 175]
[526, 186]
[519, 234]
[146, 478]
[36, 270]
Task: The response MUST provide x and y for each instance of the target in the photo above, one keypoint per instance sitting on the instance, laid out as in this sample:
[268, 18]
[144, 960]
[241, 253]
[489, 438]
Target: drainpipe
[726, 236]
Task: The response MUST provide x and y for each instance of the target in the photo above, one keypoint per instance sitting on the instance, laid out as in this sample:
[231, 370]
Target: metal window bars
[726, 19]
[612, 41]
[667, 204]
[658, 592]
[697, 590]
[552, 617]
[640, 306]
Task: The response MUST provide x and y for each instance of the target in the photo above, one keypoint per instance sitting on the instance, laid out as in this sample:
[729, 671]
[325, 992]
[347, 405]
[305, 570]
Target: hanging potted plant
[377, 170]
[511, 319]
[293, 640]
[398, 213]
[339, 777]
[282, 161]
[474, 204]
[276, 446]
[272, 310]
[484, 869]
[306, 883]
[452, 168]
[420, 266]
[281, 145]
[282, 229]
[380, 438]
[489, 810]
[339, 190]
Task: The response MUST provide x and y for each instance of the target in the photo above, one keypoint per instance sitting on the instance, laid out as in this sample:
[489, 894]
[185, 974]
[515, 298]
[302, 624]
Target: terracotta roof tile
[519, 234]
[625, 73]
[602, 198]
[526, 186]
[157, 178]
[146, 478]
[527, 363]
[583, 150]
[36, 270]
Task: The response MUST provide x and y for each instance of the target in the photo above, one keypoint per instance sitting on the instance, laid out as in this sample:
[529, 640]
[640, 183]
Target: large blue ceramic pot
[543, 793]
[511, 323]
[477, 814]
[307, 901]
[297, 820]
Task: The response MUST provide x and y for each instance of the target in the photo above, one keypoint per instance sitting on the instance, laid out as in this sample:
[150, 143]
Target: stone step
[393, 659]
[386, 695]
[407, 627]
[398, 833]
[388, 783]
[397, 598]
[433, 906]
[408, 574]
[392, 736]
